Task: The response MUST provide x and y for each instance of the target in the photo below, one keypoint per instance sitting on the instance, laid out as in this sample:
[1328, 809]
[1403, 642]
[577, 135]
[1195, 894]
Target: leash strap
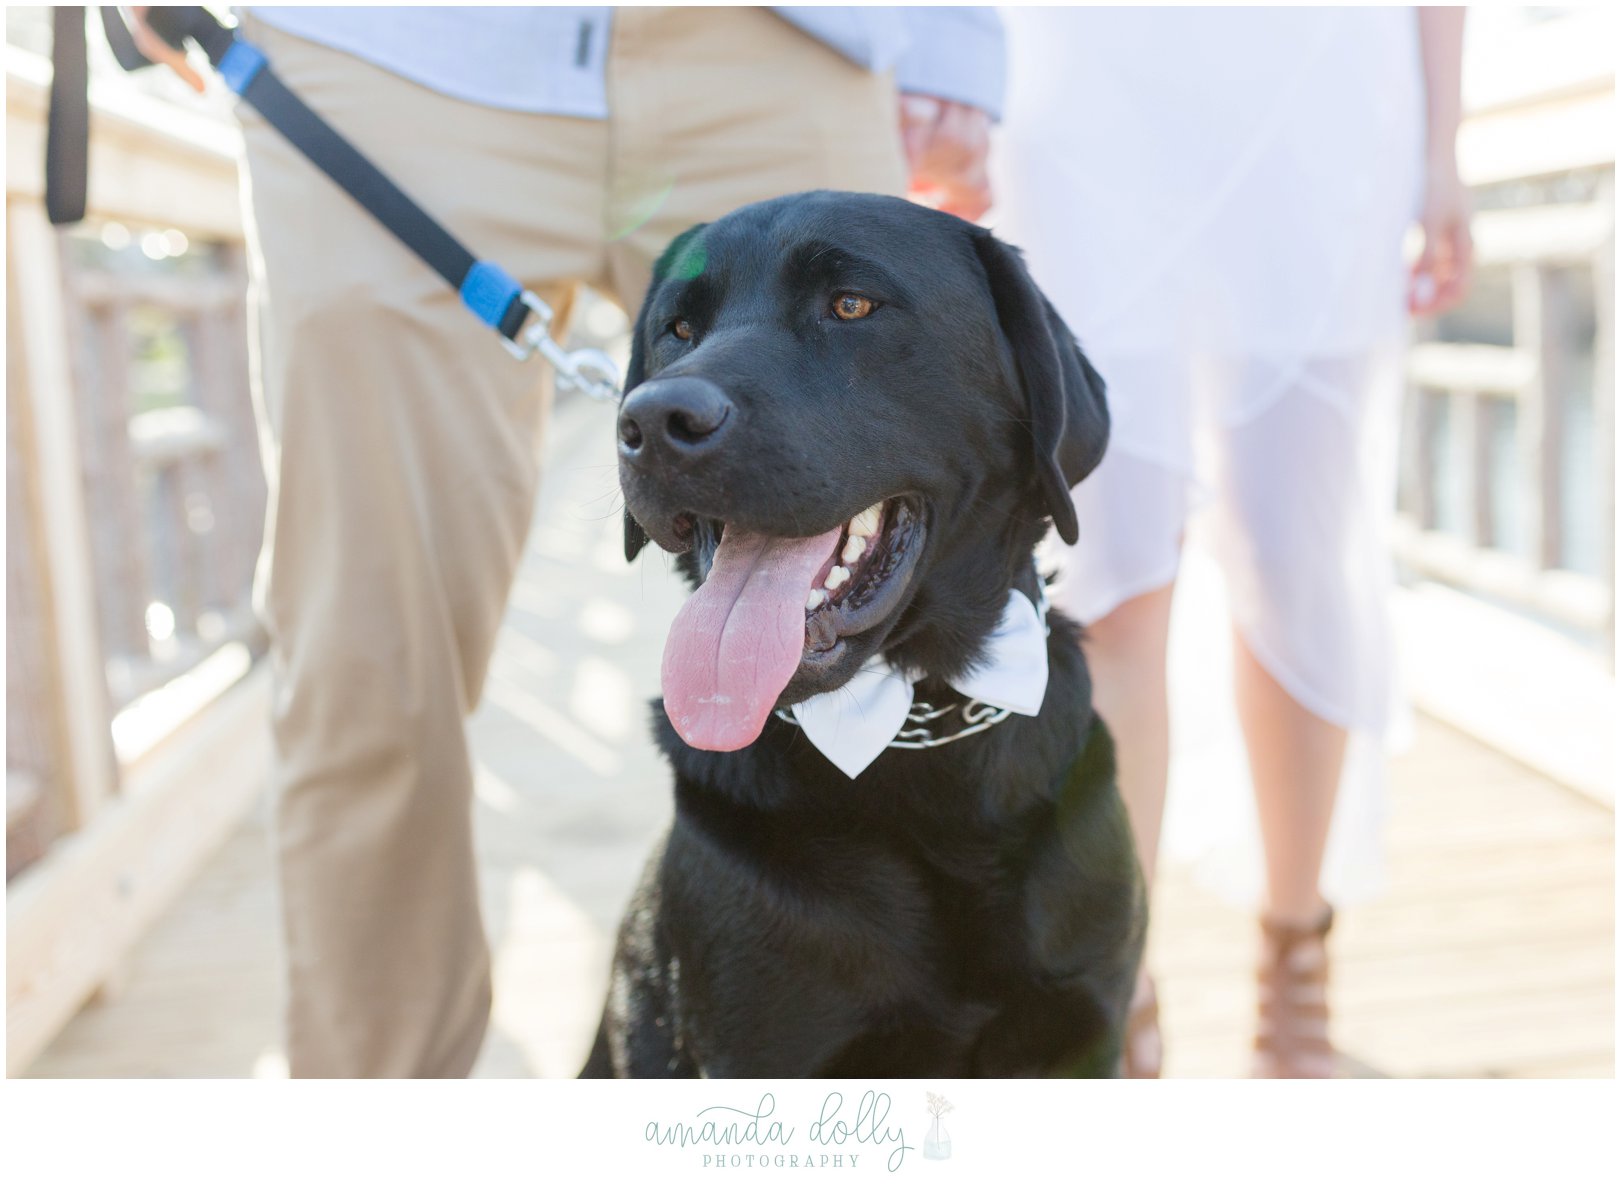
[487, 289]
[521, 318]
[67, 126]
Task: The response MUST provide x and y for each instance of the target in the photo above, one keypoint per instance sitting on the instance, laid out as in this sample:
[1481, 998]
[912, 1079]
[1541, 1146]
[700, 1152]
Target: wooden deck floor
[1490, 955]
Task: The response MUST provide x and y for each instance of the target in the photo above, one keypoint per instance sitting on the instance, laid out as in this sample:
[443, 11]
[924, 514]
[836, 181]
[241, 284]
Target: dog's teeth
[866, 523]
[816, 599]
[853, 549]
[836, 577]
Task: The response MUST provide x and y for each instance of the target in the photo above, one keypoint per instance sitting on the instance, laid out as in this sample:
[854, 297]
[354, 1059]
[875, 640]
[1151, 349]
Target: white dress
[1215, 200]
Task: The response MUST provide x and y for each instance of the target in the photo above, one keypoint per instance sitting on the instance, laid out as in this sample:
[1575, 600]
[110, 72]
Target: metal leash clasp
[587, 370]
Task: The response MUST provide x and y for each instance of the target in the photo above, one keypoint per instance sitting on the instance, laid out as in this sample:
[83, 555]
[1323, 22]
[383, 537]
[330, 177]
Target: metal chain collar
[919, 735]
[924, 720]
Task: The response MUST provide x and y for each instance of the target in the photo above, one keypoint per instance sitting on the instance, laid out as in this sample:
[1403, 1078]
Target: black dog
[972, 909]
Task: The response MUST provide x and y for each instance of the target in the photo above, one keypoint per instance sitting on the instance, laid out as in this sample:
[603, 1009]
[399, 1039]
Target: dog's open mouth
[774, 607]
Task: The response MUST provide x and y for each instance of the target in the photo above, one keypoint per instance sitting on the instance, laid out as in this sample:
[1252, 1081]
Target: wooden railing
[1508, 444]
[176, 492]
[137, 712]
[154, 402]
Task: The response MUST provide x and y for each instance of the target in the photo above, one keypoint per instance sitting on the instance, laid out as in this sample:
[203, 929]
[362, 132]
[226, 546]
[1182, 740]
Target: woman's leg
[1298, 542]
[1295, 762]
[1125, 651]
[1131, 513]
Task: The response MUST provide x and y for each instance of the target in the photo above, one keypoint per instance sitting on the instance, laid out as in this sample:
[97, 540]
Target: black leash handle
[67, 124]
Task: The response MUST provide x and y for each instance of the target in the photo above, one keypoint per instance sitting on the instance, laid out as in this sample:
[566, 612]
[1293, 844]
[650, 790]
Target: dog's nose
[679, 419]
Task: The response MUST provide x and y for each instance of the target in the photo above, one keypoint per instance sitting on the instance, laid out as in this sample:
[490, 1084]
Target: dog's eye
[850, 306]
[682, 329]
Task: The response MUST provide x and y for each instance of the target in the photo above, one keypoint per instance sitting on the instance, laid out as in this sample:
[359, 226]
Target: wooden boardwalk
[1492, 953]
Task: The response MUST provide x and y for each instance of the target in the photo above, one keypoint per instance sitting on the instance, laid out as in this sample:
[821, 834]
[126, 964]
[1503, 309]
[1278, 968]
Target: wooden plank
[166, 437]
[1534, 447]
[71, 918]
[1566, 233]
[1470, 464]
[204, 996]
[1529, 63]
[87, 766]
[1228, 1003]
[1464, 833]
[101, 384]
[1489, 1033]
[239, 625]
[230, 478]
[1417, 445]
[22, 796]
[1584, 1064]
[1577, 600]
[1472, 367]
[1533, 693]
[186, 295]
[1187, 949]
[1559, 347]
[1369, 981]
[243, 489]
[35, 735]
[1604, 398]
[1537, 140]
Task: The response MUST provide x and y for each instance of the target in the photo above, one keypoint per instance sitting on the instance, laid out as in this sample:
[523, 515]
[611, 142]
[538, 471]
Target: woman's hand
[155, 48]
[946, 146]
[1441, 274]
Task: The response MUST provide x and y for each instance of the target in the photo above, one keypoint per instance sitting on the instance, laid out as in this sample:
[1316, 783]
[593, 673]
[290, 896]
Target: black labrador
[804, 371]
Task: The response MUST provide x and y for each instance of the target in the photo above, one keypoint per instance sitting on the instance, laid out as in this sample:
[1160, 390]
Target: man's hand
[154, 47]
[946, 146]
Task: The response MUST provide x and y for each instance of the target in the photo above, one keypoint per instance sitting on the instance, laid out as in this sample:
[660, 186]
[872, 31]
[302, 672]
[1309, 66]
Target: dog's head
[853, 416]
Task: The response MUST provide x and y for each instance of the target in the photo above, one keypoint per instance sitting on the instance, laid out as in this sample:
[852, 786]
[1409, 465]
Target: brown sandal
[1144, 1049]
[1291, 1033]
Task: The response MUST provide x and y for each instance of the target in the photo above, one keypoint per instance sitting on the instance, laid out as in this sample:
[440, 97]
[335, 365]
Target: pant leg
[714, 108]
[401, 443]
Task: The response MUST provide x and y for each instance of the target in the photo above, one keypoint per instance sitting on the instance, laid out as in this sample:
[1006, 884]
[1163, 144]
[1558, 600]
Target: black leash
[521, 318]
[67, 126]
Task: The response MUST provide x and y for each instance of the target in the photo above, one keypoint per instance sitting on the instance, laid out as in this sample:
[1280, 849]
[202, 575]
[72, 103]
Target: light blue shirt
[551, 60]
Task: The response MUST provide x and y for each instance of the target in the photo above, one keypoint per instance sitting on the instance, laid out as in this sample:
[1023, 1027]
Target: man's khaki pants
[402, 446]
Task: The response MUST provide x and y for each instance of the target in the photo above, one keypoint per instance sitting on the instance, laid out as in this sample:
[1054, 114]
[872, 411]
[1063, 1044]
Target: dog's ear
[1069, 419]
[675, 259]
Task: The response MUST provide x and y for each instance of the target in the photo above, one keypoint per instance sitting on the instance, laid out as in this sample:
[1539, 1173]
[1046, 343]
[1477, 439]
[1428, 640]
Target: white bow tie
[853, 724]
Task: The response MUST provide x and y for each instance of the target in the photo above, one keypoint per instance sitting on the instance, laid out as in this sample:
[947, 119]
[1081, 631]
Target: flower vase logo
[937, 1144]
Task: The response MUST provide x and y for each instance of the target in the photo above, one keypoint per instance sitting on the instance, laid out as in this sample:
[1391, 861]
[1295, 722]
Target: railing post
[1418, 465]
[1470, 422]
[1604, 398]
[75, 638]
[99, 343]
[1540, 314]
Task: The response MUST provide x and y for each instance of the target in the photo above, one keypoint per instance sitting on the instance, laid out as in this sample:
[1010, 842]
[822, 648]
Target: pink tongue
[733, 648]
